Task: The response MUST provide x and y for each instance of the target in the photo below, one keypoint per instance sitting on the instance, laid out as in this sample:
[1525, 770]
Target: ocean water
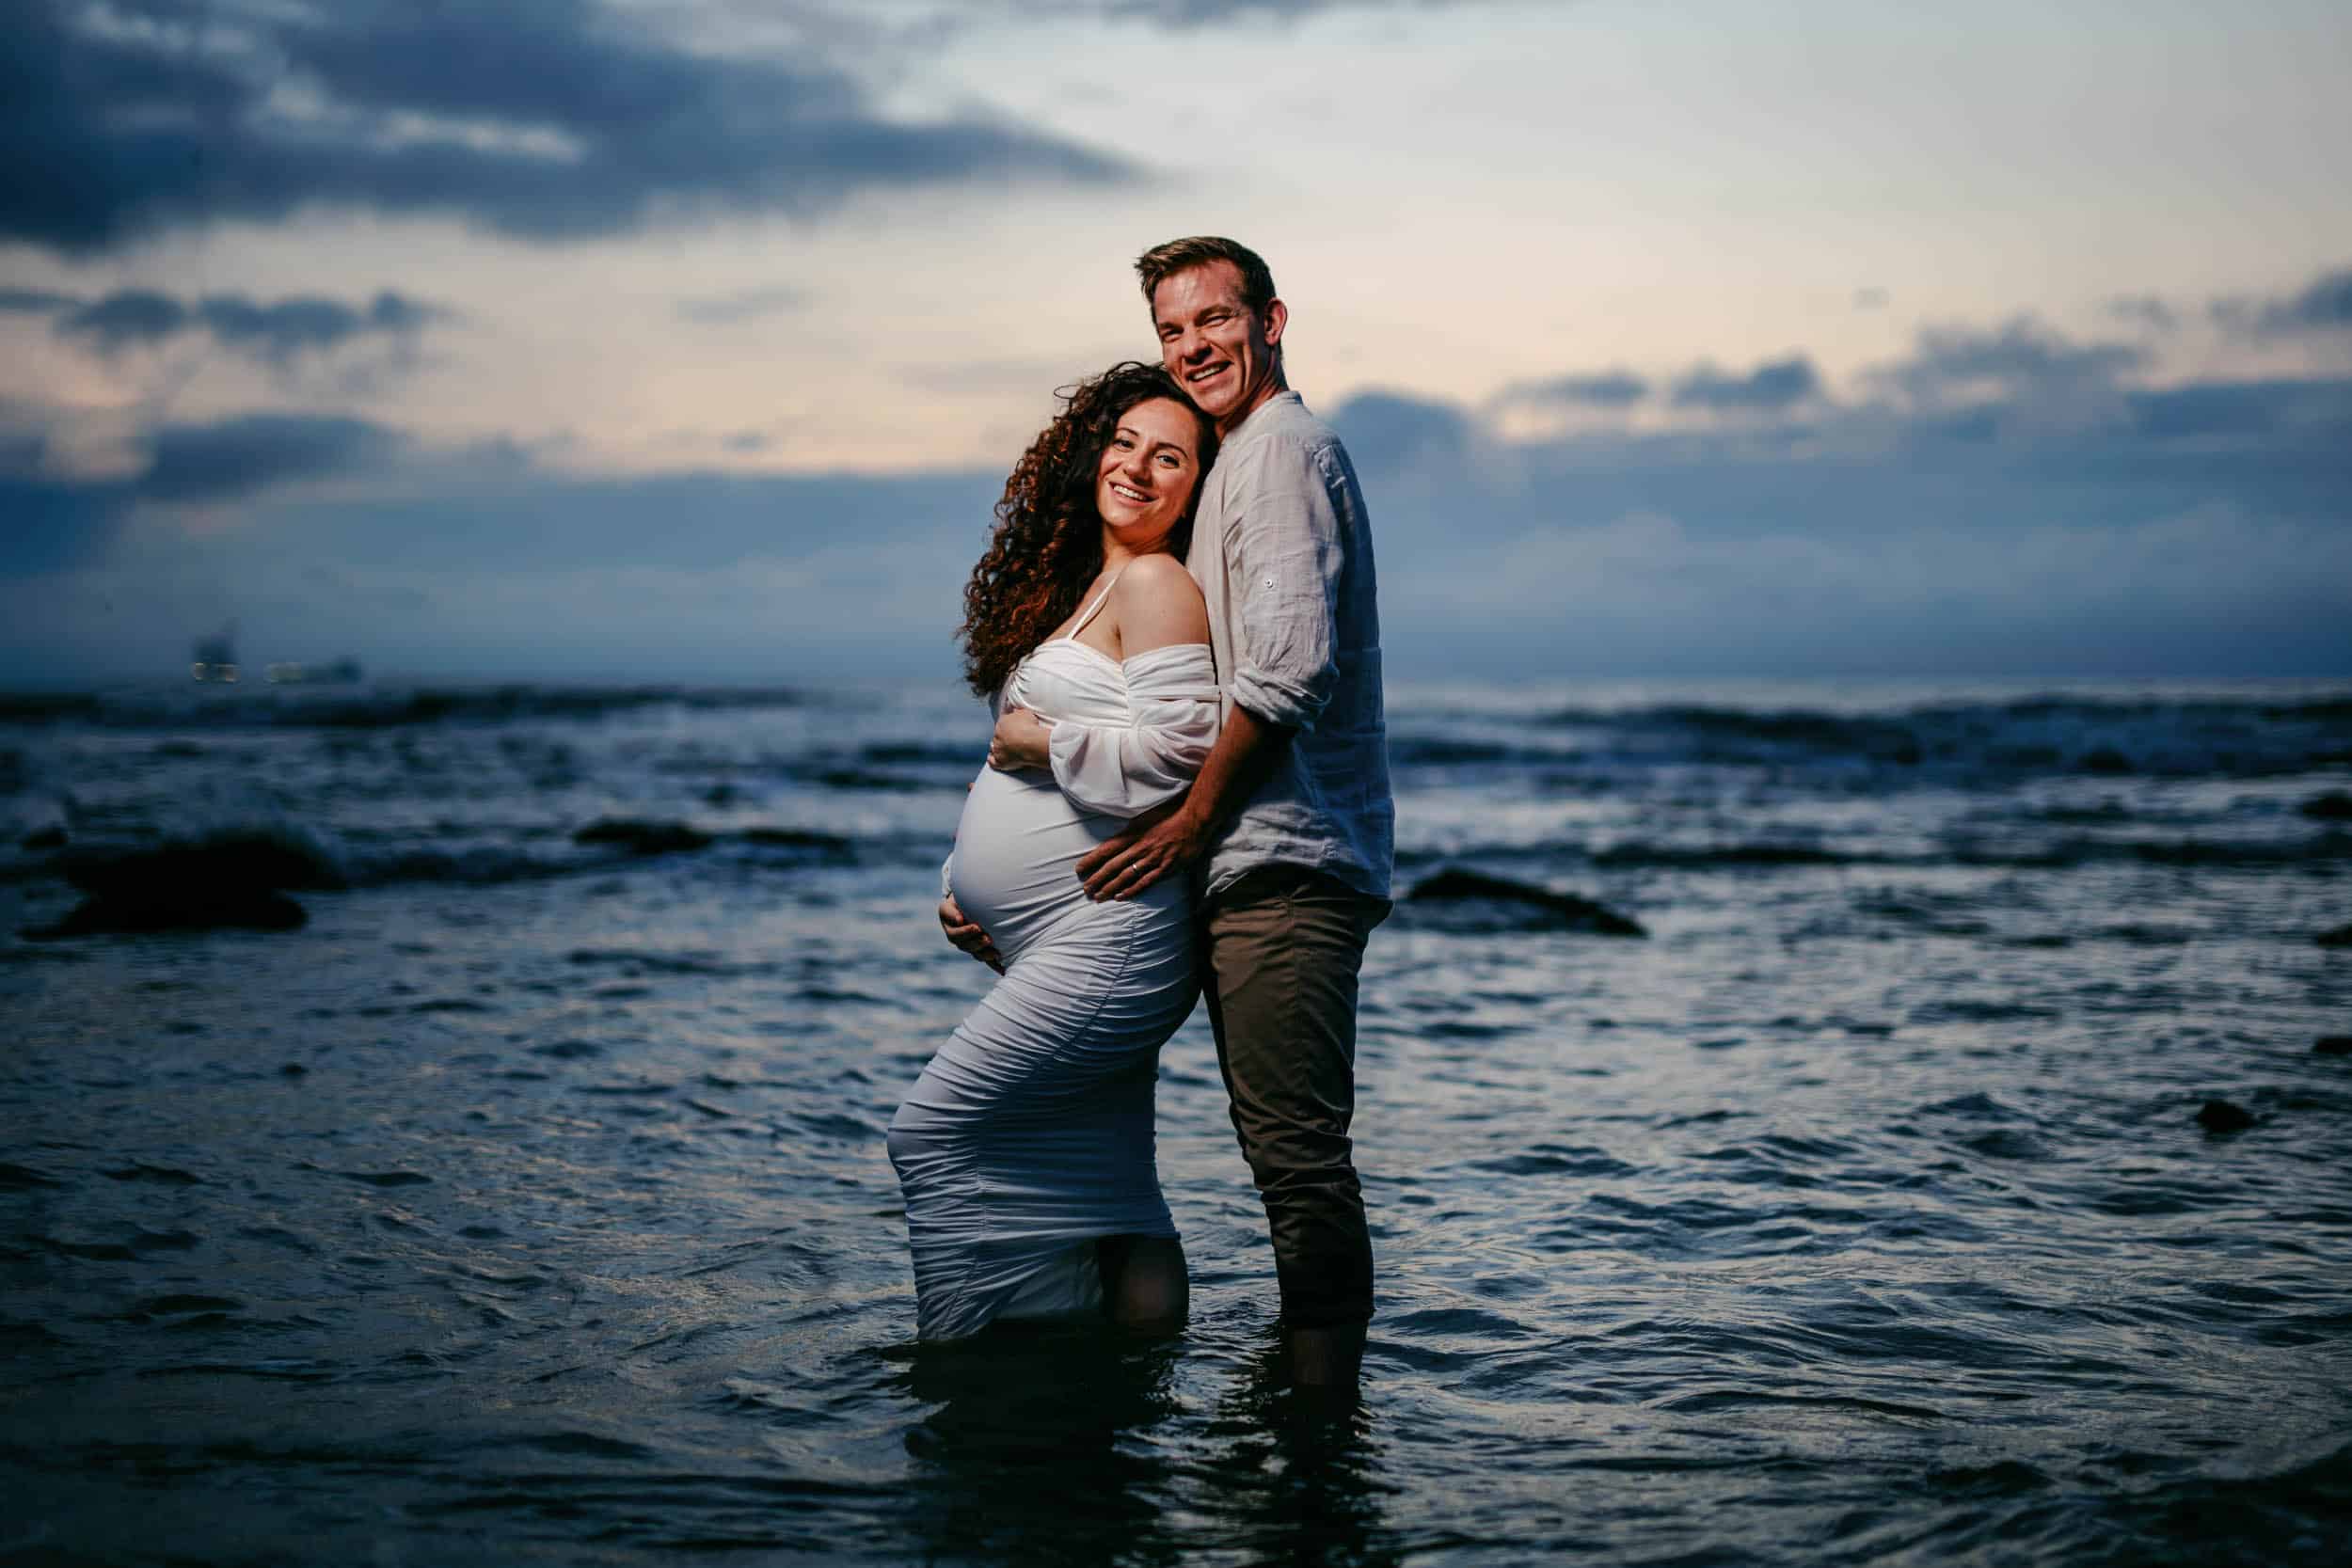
[527, 1201]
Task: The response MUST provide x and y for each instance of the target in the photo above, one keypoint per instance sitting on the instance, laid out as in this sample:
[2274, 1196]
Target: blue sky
[690, 338]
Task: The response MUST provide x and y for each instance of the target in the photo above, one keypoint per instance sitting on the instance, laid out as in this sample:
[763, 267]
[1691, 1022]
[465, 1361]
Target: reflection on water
[1037, 1445]
[1059, 1443]
[1295, 1479]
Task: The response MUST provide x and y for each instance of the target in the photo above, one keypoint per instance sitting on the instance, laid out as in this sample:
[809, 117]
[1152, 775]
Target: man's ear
[1277, 316]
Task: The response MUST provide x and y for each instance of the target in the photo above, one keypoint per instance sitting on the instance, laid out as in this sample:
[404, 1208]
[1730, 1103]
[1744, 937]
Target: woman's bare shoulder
[1157, 575]
[1158, 604]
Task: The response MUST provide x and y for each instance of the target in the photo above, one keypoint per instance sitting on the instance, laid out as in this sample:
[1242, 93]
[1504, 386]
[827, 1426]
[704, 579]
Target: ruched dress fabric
[1029, 1135]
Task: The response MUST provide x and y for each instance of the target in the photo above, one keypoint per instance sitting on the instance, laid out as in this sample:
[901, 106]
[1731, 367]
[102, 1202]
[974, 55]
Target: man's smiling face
[1220, 351]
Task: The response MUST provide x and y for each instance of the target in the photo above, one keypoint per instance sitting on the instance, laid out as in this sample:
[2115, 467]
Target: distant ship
[213, 660]
[216, 657]
[342, 672]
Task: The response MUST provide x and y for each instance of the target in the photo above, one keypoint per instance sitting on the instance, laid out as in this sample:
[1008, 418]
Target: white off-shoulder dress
[1029, 1135]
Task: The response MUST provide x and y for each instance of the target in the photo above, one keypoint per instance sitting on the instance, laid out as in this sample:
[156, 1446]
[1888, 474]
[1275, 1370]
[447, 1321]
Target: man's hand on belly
[1171, 837]
[1166, 838]
[966, 936]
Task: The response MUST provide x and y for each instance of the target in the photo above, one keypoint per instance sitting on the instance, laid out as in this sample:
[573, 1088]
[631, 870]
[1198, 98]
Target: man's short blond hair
[1162, 262]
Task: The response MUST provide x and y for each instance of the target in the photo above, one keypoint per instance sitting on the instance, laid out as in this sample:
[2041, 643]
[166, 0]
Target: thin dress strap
[1094, 608]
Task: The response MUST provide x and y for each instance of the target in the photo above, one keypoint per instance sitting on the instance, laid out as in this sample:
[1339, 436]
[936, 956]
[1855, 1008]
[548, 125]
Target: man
[1289, 824]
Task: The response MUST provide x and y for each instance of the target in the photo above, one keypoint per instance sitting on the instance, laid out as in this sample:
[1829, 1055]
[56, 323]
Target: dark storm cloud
[35, 302]
[129, 318]
[2021, 355]
[278, 332]
[239, 457]
[1388, 429]
[275, 332]
[56, 524]
[2323, 306]
[1771, 387]
[547, 120]
[1602, 390]
[2272, 411]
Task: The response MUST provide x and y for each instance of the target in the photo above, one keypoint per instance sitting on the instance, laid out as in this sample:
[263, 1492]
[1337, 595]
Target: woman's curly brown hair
[1048, 543]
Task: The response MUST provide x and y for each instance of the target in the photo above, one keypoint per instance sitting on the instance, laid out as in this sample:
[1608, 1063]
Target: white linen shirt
[1282, 550]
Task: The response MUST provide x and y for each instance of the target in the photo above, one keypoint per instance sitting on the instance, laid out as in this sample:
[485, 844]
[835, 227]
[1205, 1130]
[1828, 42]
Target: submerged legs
[1144, 1286]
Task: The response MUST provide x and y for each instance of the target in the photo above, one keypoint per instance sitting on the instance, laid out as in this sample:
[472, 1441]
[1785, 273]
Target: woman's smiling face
[1146, 477]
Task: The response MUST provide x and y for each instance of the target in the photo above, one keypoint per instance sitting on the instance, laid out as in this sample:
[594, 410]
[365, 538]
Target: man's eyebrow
[1163, 324]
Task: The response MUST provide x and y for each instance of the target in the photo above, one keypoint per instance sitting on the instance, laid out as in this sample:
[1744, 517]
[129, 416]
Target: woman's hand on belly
[966, 935]
[1020, 741]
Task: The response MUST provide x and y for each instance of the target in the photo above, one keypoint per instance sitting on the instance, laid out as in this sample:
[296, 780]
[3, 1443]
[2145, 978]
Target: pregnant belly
[1017, 851]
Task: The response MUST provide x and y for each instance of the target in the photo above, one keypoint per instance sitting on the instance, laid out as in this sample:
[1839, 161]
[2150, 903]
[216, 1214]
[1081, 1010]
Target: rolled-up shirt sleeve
[1126, 769]
[1284, 560]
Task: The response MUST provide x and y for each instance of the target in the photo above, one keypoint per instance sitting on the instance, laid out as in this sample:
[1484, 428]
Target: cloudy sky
[691, 339]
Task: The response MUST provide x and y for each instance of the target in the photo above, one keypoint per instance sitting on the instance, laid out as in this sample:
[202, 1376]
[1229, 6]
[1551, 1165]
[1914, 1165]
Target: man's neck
[1275, 387]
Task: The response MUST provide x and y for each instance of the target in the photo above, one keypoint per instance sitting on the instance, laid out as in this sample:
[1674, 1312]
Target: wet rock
[1563, 909]
[176, 909]
[2334, 806]
[229, 860]
[2339, 937]
[232, 879]
[2222, 1116]
[51, 837]
[2106, 759]
[2333, 1045]
[642, 838]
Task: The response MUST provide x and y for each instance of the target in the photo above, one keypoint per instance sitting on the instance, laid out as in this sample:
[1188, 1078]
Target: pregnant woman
[1025, 1149]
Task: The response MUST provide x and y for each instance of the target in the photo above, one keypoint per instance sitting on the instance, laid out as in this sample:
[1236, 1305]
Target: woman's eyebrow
[1132, 434]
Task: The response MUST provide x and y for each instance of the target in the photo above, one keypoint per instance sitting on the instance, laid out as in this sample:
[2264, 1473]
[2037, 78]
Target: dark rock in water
[2333, 1045]
[1566, 909]
[176, 909]
[2221, 1115]
[2106, 759]
[232, 879]
[215, 866]
[51, 837]
[2339, 937]
[642, 838]
[2334, 806]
